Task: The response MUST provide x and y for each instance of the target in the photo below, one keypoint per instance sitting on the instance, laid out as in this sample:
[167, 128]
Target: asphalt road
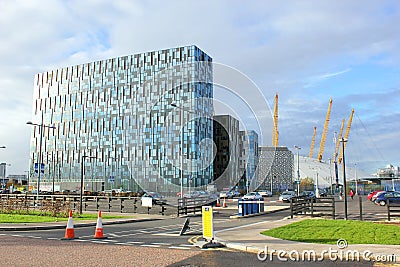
[157, 234]
[22, 251]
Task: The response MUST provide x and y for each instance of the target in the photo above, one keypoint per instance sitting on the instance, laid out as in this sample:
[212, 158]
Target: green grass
[18, 218]
[329, 231]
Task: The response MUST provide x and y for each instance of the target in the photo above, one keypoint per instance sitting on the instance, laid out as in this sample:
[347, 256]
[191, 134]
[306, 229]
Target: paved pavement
[247, 237]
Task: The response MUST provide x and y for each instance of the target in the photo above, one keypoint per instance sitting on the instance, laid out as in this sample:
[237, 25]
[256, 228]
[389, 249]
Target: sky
[306, 51]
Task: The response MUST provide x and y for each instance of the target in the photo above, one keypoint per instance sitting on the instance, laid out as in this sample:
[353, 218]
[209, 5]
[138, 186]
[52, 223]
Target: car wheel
[382, 202]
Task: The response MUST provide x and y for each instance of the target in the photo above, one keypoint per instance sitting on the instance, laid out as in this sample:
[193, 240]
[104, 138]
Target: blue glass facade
[119, 111]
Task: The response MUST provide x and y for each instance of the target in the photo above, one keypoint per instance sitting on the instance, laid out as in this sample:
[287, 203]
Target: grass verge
[329, 231]
[23, 218]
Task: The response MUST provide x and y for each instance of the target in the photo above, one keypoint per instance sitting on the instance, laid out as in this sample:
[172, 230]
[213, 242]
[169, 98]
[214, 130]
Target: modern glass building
[143, 118]
[226, 161]
[248, 161]
[275, 169]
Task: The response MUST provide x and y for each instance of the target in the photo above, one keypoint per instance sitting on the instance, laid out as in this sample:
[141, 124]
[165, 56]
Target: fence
[26, 203]
[393, 209]
[192, 205]
[315, 207]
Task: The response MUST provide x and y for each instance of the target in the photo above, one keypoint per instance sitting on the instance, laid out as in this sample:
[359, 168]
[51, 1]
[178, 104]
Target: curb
[239, 246]
[76, 225]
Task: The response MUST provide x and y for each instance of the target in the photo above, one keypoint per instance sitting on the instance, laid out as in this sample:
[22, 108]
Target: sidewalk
[248, 238]
[80, 223]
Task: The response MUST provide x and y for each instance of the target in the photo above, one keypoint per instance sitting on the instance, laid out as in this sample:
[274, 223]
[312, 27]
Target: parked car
[157, 198]
[373, 193]
[374, 197]
[235, 193]
[383, 198]
[225, 194]
[252, 195]
[286, 196]
[265, 193]
[323, 193]
[309, 194]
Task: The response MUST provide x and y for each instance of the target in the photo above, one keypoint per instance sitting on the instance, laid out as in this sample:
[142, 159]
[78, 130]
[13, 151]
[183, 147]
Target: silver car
[286, 196]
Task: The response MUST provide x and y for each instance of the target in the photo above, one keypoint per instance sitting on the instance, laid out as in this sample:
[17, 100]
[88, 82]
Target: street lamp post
[298, 170]
[181, 109]
[355, 177]
[4, 174]
[344, 179]
[40, 151]
[4, 167]
[82, 177]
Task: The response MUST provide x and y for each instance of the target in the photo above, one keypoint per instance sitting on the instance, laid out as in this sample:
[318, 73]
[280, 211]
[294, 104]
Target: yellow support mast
[346, 135]
[337, 140]
[325, 131]
[275, 132]
[313, 142]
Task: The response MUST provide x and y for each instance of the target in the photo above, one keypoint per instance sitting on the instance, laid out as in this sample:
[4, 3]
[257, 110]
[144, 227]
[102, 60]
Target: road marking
[135, 242]
[166, 234]
[149, 245]
[17, 235]
[162, 244]
[52, 238]
[175, 247]
[247, 225]
[97, 241]
[186, 245]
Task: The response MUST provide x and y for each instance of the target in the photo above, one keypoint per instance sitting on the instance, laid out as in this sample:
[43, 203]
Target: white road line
[162, 244]
[96, 241]
[135, 242]
[37, 237]
[175, 247]
[52, 238]
[246, 225]
[166, 234]
[186, 245]
[149, 245]
[17, 235]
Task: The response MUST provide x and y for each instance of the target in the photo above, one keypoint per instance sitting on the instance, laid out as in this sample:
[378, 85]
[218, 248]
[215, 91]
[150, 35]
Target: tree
[307, 184]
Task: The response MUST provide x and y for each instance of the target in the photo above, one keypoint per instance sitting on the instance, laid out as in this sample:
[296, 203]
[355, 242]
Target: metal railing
[314, 207]
[393, 209]
[28, 202]
[193, 205]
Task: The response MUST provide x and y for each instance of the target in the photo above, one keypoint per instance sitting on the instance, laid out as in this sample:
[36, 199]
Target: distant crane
[275, 132]
[337, 140]
[313, 142]
[325, 131]
[346, 135]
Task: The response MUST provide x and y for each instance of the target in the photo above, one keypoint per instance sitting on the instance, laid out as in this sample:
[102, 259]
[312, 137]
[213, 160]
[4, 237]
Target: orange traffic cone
[224, 205]
[69, 231]
[217, 204]
[99, 228]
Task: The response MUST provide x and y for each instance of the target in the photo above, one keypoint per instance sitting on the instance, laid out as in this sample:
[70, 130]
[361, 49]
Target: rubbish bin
[254, 205]
[261, 205]
[240, 207]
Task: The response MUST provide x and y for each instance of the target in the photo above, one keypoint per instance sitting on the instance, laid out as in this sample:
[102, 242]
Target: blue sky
[307, 51]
